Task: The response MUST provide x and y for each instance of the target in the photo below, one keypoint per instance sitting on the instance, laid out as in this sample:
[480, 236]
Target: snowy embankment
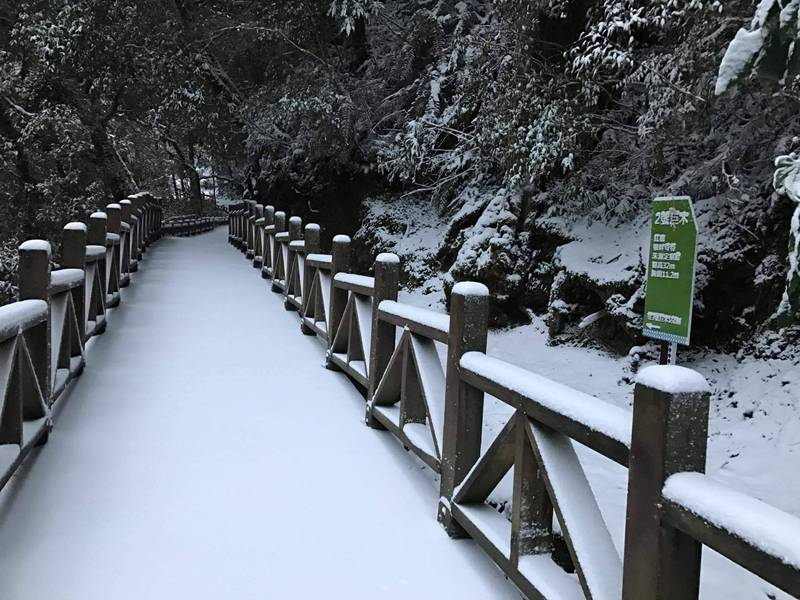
[754, 428]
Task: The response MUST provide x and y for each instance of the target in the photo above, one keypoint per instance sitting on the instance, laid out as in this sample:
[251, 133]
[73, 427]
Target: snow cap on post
[341, 239]
[672, 379]
[470, 288]
[75, 226]
[387, 257]
[35, 246]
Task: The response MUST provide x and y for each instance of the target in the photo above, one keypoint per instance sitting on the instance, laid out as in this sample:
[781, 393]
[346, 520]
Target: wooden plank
[593, 552]
[432, 383]
[531, 508]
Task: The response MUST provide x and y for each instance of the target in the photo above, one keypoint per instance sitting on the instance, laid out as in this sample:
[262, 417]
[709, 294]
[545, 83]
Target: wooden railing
[190, 225]
[554, 543]
[43, 335]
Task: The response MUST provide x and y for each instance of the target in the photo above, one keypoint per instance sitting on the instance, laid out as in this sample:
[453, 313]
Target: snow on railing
[187, 225]
[43, 335]
[436, 411]
[759, 537]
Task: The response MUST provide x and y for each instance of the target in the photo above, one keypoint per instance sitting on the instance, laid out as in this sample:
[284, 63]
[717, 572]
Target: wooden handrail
[42, 335]
[423, 321]
[437, 413]
[749, 532]
[360, 284]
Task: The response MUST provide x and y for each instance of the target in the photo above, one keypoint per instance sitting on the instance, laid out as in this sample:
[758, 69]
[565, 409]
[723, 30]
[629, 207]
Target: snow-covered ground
[206, 453]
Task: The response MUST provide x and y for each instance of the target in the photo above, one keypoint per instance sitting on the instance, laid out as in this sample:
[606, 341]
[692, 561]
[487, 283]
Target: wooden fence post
[312, 246]
[251, 230]
[114, 226]
[295, 228]
[258, 237]
[125, 258]
[34, 284]
[138, 211]
[295, 233]
[463, 404]
[97, 237]
[268, 259]
[670, 434]
[340, 263]
[73, 256]
[280, 227]
[387, 282]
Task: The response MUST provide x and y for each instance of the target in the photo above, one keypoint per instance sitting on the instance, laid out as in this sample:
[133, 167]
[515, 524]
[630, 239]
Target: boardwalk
[196, 458]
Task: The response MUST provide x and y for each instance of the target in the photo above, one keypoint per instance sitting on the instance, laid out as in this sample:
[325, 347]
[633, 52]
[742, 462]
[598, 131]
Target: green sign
[670, 270]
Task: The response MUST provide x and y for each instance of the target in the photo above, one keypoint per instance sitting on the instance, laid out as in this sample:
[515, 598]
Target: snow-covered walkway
[206, 453]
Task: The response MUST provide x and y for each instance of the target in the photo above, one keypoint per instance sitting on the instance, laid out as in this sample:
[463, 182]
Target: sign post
[670, 273]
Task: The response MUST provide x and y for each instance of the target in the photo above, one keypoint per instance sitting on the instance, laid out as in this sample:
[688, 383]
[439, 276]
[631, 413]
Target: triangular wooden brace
[33, 403]
[342, 335]
[388, 391]
[490, 468]
[355, 344]
[10, 388]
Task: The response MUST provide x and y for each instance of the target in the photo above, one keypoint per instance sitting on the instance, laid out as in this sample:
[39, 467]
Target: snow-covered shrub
[304, 136]
[606, 51]
[768, 48]
[9, 259]
[787, 181]
[492, 249]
